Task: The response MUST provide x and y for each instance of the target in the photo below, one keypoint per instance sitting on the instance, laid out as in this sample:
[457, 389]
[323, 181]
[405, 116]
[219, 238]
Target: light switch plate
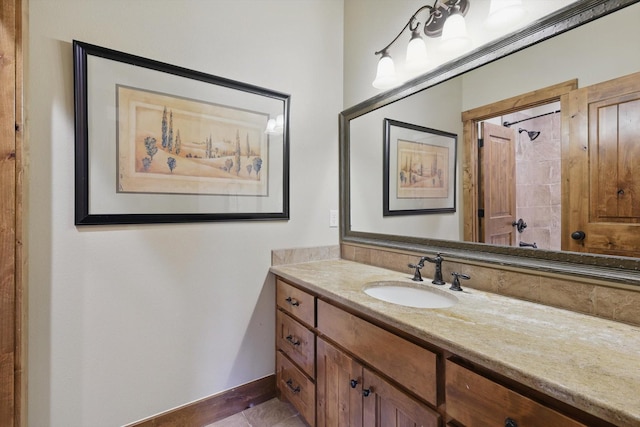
[333, 218]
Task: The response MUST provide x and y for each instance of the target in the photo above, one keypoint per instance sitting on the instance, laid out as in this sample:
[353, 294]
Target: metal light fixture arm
[438, 14]
[408, 25]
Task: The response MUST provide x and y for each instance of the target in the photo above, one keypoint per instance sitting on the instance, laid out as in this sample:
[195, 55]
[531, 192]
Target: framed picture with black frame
[419, 171]
[159, 143]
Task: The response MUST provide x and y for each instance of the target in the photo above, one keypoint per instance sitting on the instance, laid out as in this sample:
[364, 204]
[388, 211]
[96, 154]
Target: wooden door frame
[470, 167]
[12, 262]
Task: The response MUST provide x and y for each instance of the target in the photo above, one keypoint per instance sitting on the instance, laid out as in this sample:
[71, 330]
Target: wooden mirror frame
[612, 269]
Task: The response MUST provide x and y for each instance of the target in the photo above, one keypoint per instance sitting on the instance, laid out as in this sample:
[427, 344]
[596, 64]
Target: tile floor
[272, 413]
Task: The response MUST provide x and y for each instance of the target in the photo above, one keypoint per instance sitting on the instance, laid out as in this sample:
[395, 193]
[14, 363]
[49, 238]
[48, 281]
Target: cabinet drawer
[299, 304]
[296, 388]
[412, 366]
[296, 341]
[473, 400]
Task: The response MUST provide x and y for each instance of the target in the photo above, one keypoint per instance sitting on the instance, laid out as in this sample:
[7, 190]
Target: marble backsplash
[602, 300]
[298, 255]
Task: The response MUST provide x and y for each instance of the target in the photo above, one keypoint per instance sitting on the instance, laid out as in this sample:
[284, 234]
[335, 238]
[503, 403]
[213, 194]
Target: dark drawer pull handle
[354, 383]
[510, 423]
[291, 387]
[292, 301]
[366, 392]
[292, 340]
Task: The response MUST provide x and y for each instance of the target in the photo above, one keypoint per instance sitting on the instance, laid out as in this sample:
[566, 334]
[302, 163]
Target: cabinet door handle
[292, 301]
[366, 392]
[510, 423]
[291, 387]
[292, 340]
[354, 383]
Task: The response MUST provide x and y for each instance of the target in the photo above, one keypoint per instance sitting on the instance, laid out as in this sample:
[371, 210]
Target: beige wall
[128, 321]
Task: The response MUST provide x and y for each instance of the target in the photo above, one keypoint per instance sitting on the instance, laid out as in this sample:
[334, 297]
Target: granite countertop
[590, 363]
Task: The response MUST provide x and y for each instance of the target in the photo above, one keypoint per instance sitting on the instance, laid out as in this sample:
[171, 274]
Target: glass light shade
[275, 126]
[454, 34]
[416, 54]
[504, 14]
[271, 126]
[386, 76]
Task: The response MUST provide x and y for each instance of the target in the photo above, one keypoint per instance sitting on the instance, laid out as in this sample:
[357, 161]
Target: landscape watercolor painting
[419, 169]
[173, 145]
[422, 170]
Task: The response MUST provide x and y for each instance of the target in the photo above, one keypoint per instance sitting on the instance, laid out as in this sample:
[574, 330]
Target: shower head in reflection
[533, 134]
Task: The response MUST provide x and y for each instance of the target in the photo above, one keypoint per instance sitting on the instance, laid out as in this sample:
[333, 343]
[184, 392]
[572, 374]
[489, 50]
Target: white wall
[592, 53]
[437, 108]
[128, 321]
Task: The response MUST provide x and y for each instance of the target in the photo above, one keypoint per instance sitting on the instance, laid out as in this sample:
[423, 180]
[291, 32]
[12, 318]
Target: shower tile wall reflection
[538, 166]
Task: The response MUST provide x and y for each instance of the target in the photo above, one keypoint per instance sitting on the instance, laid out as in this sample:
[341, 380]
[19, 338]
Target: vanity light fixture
[504, 13]
[454, 34]
[445, 20]
[440, 15]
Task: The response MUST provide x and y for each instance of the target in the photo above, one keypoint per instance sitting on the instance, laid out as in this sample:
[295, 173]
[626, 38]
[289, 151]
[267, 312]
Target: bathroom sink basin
[403, 293]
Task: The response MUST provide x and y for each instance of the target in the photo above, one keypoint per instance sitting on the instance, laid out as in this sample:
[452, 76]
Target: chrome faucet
[437, 275]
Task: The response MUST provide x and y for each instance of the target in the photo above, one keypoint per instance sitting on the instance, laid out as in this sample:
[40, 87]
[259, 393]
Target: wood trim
[216, 407]
[20, 379]
[521, 102]
[12, 313]
[470, 119]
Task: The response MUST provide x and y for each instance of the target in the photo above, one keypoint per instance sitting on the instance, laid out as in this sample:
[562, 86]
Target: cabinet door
[338, 388]
[386, 406]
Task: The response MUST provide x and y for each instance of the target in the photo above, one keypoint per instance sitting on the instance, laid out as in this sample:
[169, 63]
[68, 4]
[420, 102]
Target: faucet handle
[455, 285]
[417, 277]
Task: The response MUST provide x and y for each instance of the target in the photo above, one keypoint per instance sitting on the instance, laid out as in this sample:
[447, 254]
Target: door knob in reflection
[578, 235]
[520, 225]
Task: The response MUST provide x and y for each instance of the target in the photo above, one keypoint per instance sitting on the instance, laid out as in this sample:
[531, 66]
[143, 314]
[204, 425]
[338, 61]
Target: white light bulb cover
[271, 126]
[416, 54]
[454, 34]
[504, 14]
[386, 76]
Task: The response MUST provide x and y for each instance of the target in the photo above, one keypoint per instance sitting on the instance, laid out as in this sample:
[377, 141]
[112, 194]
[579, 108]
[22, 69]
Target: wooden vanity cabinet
[473, 400]
[340, 370]
[350, 395]
[295, 348]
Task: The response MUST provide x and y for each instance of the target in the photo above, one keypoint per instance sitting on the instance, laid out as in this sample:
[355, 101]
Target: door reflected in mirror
[520, 178]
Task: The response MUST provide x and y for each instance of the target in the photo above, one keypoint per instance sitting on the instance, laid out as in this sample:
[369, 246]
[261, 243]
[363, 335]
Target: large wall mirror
[587, 42]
